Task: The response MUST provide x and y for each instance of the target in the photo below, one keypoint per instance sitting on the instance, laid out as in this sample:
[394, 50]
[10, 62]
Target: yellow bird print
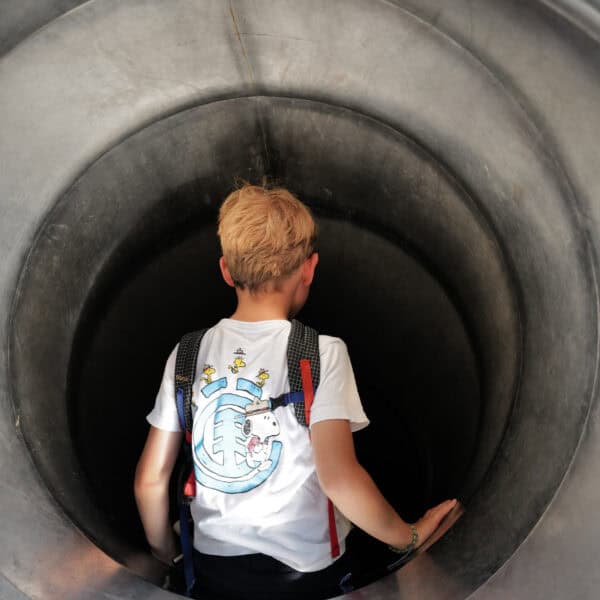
[208, 372]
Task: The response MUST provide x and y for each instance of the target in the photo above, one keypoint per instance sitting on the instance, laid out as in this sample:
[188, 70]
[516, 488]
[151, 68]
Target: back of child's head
[266, 234]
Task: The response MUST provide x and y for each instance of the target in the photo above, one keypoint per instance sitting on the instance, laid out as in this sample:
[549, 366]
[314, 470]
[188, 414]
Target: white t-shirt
[256, 485]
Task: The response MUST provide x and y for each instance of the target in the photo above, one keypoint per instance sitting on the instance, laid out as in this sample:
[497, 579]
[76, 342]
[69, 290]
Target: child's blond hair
[266, 234]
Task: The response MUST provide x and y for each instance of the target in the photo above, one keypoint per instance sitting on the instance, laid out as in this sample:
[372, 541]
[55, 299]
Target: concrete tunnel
[449, 151]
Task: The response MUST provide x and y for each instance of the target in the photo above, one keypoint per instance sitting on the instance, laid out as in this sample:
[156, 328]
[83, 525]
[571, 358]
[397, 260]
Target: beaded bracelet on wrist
[413, 543]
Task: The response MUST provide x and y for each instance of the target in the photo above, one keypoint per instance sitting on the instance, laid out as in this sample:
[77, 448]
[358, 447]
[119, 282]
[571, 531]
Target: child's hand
[165, 556]
[429, 522]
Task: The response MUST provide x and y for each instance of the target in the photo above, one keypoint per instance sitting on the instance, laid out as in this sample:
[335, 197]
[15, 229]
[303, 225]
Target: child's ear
[309, 268]
[225, 272]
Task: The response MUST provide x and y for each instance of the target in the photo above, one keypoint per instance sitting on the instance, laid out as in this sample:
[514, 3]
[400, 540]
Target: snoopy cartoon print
[260, 429]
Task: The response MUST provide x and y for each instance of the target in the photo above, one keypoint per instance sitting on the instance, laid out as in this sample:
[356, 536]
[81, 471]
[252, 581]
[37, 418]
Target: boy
[261, 516]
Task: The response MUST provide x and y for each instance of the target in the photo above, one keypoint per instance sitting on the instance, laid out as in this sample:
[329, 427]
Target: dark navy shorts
[260, 577]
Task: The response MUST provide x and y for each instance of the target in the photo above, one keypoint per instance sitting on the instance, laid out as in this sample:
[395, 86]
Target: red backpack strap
[303, 344]
[307, 387]
[309, 394]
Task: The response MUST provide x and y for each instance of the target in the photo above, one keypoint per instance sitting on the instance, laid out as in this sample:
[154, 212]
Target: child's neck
[265, 306]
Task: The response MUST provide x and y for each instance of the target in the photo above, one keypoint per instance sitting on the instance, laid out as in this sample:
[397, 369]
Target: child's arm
[355, 494]
[152, 490]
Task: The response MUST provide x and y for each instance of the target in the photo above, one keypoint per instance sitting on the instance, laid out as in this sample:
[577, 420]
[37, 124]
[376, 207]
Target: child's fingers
[446, 506]
[432, 518]
[437, 513]
[445, 509]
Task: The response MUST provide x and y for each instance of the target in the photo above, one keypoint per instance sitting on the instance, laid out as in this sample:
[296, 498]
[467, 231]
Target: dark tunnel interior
[414, 363]
[410, 276]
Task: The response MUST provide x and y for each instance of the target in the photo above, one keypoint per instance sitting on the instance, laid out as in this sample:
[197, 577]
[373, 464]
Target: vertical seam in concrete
[253, 87]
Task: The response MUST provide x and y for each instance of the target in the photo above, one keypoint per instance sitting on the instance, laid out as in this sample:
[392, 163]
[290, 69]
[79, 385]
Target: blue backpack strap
[185, 374]
[303, 344]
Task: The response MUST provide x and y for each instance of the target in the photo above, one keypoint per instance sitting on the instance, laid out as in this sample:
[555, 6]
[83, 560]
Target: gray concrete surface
[463, 134]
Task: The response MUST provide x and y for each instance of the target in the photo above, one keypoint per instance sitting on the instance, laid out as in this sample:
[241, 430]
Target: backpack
[304, 369]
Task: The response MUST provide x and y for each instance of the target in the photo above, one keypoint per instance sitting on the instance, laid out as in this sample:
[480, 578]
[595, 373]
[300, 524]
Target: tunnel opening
[414, 363]
[412, 277]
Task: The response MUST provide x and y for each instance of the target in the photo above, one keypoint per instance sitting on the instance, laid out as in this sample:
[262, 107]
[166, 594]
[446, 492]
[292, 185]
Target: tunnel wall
[386, 313]
[514, 119]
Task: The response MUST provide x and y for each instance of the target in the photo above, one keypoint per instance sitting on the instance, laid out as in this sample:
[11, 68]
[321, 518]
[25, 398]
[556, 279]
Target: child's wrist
[409, 539]
[167, 551]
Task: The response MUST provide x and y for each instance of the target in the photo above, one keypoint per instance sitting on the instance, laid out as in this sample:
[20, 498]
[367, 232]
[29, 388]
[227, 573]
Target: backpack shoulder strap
[304, 372]
[303, 344]
[185, 374]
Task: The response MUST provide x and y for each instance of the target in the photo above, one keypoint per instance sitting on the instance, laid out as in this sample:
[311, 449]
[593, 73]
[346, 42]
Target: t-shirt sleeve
[337, 396]
[164, 414]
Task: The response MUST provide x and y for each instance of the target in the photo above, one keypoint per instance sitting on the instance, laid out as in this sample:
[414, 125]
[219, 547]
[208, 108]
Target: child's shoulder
[332, 348]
